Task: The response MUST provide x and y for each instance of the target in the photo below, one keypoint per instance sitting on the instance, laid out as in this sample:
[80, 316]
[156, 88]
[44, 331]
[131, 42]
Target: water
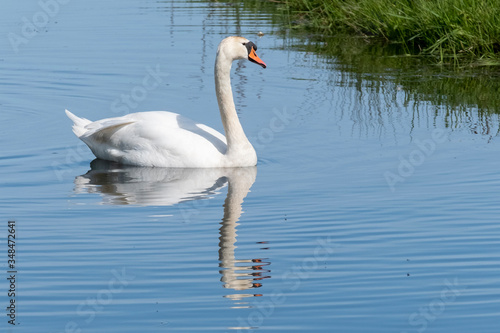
[374, 206]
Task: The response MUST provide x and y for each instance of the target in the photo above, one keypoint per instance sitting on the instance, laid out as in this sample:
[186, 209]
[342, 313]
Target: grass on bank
[448, 29]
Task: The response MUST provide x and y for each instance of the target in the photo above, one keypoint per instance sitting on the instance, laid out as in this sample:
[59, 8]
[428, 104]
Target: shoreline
[452, 31]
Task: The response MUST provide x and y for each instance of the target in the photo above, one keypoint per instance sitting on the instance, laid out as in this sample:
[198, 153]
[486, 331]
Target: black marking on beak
[249, 46]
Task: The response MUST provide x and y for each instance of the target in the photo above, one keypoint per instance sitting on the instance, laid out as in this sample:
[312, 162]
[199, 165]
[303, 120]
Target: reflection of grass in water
[447, 29]
[475, 87]
[469, 99]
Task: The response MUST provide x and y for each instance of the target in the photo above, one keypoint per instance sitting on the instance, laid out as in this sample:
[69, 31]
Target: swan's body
[155, 138]
[166, 139]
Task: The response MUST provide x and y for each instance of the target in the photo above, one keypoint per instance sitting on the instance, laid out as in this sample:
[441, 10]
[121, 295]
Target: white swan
[166, 139]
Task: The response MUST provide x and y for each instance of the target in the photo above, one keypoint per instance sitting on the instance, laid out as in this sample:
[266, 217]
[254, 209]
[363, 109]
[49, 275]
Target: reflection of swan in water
[237, 274]
[143, 186]
[129, 185]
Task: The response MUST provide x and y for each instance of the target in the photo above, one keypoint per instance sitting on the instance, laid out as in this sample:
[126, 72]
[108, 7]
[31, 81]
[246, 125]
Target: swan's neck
[235, 136]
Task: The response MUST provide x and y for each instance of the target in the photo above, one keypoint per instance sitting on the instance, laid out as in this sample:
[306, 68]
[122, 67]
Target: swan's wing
[104, 134]
[213, 132]
[201, 131]
[101, 131]
[105, 123]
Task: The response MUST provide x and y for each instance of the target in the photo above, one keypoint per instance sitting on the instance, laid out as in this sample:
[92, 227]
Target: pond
[374, 205]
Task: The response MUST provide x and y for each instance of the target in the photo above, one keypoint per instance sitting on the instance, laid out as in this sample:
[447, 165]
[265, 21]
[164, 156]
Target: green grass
[450, 30]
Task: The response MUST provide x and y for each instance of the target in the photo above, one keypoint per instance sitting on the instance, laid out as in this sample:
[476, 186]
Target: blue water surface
[371, 209]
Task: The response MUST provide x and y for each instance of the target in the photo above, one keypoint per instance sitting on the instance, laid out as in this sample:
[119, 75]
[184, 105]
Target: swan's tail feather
[78, 124]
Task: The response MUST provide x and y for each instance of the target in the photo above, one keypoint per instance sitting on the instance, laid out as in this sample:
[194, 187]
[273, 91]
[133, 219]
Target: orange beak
[252, 56]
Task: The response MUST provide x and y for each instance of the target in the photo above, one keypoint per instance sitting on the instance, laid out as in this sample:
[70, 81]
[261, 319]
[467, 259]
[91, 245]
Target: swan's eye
[245, 43]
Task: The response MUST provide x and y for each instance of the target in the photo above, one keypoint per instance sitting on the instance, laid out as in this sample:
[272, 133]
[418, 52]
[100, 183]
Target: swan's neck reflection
[237, 274]
[126, 185]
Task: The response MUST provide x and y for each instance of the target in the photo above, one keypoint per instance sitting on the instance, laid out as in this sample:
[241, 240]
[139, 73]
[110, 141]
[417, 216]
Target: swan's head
[239, 48]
